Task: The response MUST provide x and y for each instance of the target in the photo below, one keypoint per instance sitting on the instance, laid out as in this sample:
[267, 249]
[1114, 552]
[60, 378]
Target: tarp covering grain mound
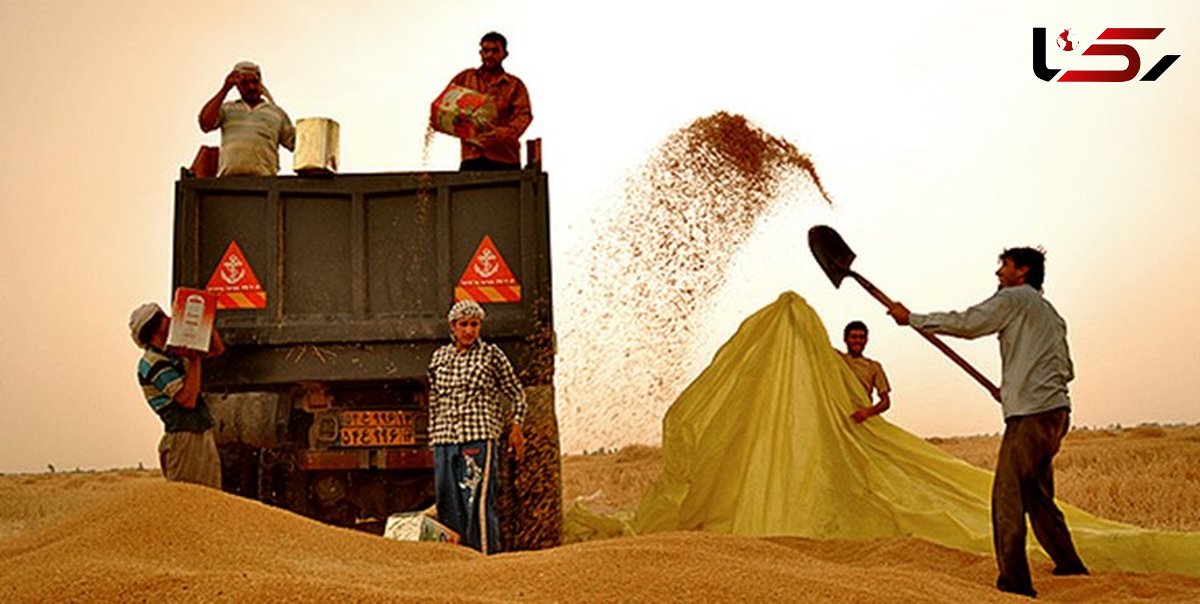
[761, 443]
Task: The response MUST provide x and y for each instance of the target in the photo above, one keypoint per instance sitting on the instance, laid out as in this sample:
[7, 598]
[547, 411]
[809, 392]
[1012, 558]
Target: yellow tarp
[761, 443]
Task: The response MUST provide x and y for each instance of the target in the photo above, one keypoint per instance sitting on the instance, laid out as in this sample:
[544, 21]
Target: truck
[333, 292]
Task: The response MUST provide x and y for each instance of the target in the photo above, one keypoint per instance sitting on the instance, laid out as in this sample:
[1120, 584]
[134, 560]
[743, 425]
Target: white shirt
[250, 138]
[1035, 360]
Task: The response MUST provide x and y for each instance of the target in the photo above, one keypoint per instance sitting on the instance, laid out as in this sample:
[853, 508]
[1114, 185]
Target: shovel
[835, 258]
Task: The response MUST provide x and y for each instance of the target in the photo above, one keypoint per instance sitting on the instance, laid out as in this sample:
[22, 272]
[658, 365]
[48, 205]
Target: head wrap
[140, 317]
[463, 309]
[252, 67]
[248, 67]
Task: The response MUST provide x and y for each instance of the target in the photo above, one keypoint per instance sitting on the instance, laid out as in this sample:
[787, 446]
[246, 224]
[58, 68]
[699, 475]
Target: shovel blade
[831, 253]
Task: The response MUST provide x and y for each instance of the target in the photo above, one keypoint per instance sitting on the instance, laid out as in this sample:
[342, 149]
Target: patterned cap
[248, 67]
[140, 317]
[465, 308]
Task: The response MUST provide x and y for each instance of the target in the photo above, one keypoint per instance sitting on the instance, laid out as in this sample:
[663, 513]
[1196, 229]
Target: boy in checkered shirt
[468, 379]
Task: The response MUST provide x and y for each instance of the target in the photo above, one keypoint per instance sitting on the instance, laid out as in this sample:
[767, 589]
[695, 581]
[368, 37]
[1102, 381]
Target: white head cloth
[252, 67]
[140, 317]
[463, 309]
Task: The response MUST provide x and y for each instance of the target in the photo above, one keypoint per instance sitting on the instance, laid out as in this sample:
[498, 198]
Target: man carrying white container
[466, 382]
[170, 381]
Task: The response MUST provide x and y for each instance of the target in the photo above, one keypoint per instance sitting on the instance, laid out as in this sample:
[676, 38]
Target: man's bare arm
[210, 113]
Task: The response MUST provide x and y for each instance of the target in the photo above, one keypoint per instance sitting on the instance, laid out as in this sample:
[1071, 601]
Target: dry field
[127, 535]
[1148, 476]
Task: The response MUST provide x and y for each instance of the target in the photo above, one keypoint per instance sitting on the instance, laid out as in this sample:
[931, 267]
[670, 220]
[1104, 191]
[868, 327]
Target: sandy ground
[129, 536]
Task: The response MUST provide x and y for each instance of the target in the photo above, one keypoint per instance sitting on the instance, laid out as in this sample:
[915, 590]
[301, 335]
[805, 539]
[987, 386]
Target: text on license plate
[377, 428]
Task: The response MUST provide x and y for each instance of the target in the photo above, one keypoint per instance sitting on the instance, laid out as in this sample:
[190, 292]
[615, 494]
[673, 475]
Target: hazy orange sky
[938, 144]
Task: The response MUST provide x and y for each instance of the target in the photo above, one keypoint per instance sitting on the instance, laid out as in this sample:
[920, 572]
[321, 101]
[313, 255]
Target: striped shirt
[464, 393]
[1034, 358]
[250, 138]
[161, 378]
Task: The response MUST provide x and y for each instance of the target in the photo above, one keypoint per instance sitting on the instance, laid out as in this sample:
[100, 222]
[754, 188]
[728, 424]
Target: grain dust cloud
[644, 287]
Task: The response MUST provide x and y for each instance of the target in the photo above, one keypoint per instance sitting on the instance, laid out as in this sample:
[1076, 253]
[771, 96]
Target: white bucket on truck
[316, 146]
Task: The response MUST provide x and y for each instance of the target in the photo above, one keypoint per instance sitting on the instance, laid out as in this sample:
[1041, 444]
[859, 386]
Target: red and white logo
[1104, 47]
[487, 277]
[234, 282]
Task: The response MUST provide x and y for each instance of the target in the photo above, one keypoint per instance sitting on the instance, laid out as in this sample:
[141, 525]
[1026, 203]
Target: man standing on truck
[868, 371]
[1036, 366]
[252, 128]
[170, 380]
[498, 148]
[466, 381]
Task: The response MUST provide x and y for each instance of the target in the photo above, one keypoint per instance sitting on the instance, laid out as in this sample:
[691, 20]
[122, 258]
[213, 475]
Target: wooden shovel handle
[936, 341]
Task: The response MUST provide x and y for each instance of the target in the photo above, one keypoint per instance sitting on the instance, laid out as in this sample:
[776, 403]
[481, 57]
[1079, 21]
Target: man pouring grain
[1036, 366]
[170, 381]
[252, 127]
[497, 146]
[466, 382]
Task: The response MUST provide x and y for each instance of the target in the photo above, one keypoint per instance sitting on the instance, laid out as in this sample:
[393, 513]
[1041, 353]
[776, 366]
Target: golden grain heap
[657, 260]
[131, 537]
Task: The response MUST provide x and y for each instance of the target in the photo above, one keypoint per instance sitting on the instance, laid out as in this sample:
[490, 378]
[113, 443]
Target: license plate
[377, 428]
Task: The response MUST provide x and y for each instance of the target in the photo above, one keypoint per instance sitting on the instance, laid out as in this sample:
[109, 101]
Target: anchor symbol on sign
[485, 264]
[232, 270]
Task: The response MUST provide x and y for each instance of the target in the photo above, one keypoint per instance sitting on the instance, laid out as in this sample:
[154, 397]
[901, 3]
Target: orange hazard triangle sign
[487, 278]
[234, 282]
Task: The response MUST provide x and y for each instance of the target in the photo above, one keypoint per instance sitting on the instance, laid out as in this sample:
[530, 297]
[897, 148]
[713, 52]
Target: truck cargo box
[332, 294]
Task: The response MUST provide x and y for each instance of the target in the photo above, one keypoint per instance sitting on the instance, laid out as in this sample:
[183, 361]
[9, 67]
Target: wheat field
[1148, 475]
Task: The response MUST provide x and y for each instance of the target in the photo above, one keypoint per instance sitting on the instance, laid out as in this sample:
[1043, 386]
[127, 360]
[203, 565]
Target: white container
[192, 318]
[316, 146]
[418, 526]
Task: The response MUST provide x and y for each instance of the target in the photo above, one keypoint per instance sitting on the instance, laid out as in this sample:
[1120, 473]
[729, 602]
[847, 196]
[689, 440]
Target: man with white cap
[466, 382]
[170, 380]
[252, 128]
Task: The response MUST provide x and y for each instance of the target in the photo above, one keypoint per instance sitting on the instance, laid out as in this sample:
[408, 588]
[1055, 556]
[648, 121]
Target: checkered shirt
[465, 393]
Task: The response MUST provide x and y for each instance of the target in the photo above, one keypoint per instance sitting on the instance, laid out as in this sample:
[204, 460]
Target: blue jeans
[464, 478]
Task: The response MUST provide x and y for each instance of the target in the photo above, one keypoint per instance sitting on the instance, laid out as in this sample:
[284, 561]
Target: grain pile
[657, 260]
[157, 541]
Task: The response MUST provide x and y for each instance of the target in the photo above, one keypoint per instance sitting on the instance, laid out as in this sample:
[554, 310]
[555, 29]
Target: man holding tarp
[868, 371]
[1036, 366]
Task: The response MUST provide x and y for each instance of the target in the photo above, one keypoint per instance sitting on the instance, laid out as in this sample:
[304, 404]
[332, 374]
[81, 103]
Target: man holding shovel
[1036, 366]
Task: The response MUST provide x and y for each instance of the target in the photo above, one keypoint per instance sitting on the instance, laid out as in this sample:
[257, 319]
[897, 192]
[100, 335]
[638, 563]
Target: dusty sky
[935, 139]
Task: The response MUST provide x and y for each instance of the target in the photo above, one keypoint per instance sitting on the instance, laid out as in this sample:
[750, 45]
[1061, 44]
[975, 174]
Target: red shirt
[513, 114]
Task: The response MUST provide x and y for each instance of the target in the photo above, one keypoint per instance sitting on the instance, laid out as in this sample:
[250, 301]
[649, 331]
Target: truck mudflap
[530, 500]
